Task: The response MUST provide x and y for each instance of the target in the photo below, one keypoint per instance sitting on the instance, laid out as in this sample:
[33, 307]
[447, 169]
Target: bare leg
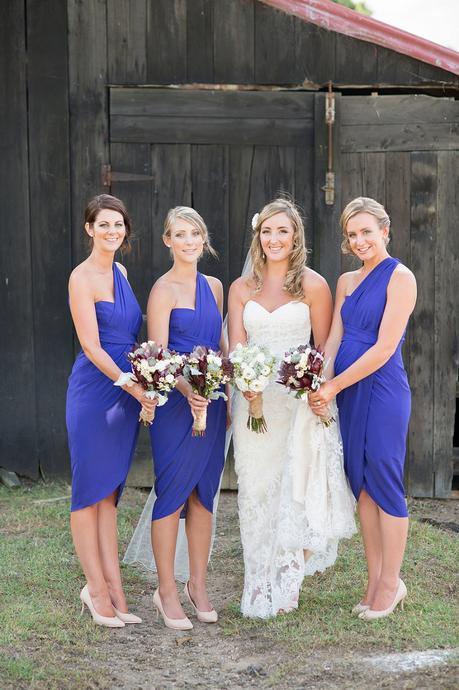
[108, 549]
[84, 526]
[199, 533]
[164, 541]
[394, 531]
[371, 533]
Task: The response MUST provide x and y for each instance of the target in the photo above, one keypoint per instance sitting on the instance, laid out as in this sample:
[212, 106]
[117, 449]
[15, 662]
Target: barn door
[402, 151]
[224, 153]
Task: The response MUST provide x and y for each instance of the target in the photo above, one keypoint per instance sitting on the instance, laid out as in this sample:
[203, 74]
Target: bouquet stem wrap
[256, 421]
[199, 423]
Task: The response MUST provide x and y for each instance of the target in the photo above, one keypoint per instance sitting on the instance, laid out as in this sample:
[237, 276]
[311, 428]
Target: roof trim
[329, 15]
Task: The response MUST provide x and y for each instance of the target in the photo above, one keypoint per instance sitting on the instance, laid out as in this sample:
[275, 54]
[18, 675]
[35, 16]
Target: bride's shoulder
[241, 288]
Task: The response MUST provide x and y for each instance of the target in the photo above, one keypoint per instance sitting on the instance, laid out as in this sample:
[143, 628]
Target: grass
[43, 641]
[45, 644]
[323, 618]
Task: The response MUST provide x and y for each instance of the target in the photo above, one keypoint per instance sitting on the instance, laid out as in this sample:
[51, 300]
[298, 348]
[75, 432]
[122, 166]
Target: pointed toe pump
[202, 616]
[173, 623]
[107, 621]
[400, 596]
[127, 618]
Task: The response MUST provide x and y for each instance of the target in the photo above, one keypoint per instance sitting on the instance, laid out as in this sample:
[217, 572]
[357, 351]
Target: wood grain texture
[422, 357]
[399, 110]
[195, 104]
[200, 54]
[127, 41]
[352, 186]
[18, 435]
[50, 227]
[87, 45]
[207, 130]
[315, 50]
[274, 46]
[446, 326]
[234, 41]
[356, 61]
[167, 41]
[405, 137]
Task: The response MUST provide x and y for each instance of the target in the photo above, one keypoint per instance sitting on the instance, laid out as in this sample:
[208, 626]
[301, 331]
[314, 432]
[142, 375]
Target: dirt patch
[149, 656]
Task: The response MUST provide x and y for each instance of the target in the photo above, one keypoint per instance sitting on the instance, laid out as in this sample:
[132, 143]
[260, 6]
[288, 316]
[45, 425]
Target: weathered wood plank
[127, 41]
[374, 181]
[397, 110]
[18, 450]
[312, 41]
[327, 253]
[171, 166]
[136, 158]
[185, 130]
[406, 137]
[204, 103]
[274, 45]
[87, 46]
[446, 335]
[304, 191]
[209, 180]
[240, 168]
[167, 42]
[356, 61]
[395, 68]
[234, 41]
[423, 237]
[200, 54]
[352, 186]
[50, 225]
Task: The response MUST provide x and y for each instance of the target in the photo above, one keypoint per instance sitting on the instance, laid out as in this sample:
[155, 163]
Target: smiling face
[185, 241]
[108, 230]
[367, 239]
[276, 237]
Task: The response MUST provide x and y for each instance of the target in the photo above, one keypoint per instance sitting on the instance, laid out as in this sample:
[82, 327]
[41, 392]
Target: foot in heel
[173, 623]
[107, 621]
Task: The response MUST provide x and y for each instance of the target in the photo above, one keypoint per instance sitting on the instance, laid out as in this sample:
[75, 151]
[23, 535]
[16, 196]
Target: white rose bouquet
[253, 366]
[156, 369]
[206, 371]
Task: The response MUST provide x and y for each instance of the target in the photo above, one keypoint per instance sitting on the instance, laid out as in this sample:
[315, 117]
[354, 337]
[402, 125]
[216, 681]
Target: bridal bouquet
[156, 369]
[253, 365]
[301, 370]
[206, 371]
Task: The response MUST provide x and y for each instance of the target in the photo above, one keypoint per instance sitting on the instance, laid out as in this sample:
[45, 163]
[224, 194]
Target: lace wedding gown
[292, 491]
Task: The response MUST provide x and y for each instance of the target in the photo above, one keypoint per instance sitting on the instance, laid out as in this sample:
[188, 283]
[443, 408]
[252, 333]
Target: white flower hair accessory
[255, 221]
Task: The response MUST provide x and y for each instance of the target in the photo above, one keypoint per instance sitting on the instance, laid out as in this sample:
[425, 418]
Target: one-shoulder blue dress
[183, 463]
[374, 412]
[102, 419]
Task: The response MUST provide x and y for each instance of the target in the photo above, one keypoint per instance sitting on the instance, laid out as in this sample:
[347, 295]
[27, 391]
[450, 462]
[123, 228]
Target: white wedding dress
[292, 491]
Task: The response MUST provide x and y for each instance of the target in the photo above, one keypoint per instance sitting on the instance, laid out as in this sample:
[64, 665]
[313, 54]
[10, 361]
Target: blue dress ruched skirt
[102, 419]
[183, 463]
[374, 412]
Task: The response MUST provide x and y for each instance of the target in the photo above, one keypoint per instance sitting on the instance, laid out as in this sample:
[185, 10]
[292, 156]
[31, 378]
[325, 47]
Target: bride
[294, 500]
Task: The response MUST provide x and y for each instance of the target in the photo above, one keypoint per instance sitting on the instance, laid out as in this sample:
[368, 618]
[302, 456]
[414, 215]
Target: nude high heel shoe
[400, 595]
[203, 616]
[358, 608]
[107, 621]
[174, 623]
[127, 617]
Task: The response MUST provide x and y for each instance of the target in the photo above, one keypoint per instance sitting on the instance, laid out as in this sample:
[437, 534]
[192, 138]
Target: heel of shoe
[82, 608]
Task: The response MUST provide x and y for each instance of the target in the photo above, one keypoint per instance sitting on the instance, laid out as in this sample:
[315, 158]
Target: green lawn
[45, 644]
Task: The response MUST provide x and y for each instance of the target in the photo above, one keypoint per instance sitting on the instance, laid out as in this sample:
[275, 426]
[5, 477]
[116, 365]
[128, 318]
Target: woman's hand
[195, 401]
[248, 395]
[321, 398]
[138, 393]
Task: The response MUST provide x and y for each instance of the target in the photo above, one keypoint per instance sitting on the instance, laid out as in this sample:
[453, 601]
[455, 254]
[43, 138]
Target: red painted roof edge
[329, 15]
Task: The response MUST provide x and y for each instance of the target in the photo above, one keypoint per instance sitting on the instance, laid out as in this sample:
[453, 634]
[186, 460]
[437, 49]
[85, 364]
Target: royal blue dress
[182, 462]
[102, 419]
[374, 412]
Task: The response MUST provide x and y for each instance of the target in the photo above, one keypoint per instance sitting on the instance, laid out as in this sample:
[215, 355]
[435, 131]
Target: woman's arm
[320, 302]
[236, 331]
[336, 331]
[401, 299]
[84, 318]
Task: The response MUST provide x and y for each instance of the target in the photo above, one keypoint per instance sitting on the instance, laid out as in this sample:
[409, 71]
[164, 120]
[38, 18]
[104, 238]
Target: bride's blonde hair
[293, 282]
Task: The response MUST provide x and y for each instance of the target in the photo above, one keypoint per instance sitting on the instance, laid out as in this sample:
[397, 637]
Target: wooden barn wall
[54, 118]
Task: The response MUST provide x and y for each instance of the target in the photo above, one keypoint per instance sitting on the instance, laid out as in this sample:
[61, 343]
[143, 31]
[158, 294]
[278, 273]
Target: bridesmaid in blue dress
[373, 305]
[184, 310]
[102, 420]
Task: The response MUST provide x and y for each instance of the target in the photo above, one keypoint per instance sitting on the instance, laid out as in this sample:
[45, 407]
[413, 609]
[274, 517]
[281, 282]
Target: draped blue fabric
[374, 412]
[102, 419]
[182, 462]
